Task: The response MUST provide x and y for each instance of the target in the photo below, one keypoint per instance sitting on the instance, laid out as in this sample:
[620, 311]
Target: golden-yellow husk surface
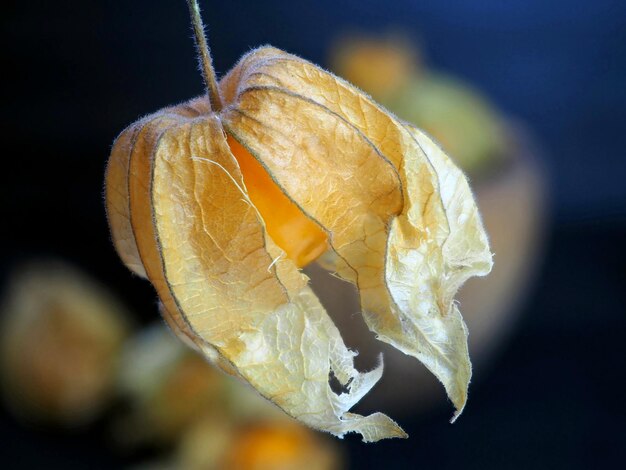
[400, 220]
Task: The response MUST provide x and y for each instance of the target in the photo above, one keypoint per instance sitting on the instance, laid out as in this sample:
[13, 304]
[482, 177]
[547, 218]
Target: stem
[204, 57]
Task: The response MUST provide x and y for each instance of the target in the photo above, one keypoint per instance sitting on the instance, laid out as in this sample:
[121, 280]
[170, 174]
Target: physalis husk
[220, 200]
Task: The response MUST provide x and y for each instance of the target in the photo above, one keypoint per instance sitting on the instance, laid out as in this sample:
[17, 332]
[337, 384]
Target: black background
[76, 73]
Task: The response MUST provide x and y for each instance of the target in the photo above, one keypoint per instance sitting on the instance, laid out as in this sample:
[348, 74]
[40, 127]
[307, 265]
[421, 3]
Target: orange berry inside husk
[296, 234]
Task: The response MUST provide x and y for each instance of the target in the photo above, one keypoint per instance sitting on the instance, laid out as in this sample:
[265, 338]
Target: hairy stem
[204, 56]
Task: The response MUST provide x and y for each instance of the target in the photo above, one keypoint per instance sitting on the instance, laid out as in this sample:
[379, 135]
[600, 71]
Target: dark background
[76, 73]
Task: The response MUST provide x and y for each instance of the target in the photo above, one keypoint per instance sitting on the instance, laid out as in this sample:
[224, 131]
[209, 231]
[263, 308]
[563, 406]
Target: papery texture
[397, 215]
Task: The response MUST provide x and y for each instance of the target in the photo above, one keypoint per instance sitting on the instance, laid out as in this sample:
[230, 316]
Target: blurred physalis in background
[219, 422]
[459, 117]
[381, 66]
[503, 162]
[61, 336]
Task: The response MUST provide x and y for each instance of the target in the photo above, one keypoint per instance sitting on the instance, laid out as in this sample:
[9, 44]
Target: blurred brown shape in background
[60, 341]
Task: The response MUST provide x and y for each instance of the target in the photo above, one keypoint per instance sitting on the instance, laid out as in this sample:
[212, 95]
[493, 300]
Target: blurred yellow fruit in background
[60, 339]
